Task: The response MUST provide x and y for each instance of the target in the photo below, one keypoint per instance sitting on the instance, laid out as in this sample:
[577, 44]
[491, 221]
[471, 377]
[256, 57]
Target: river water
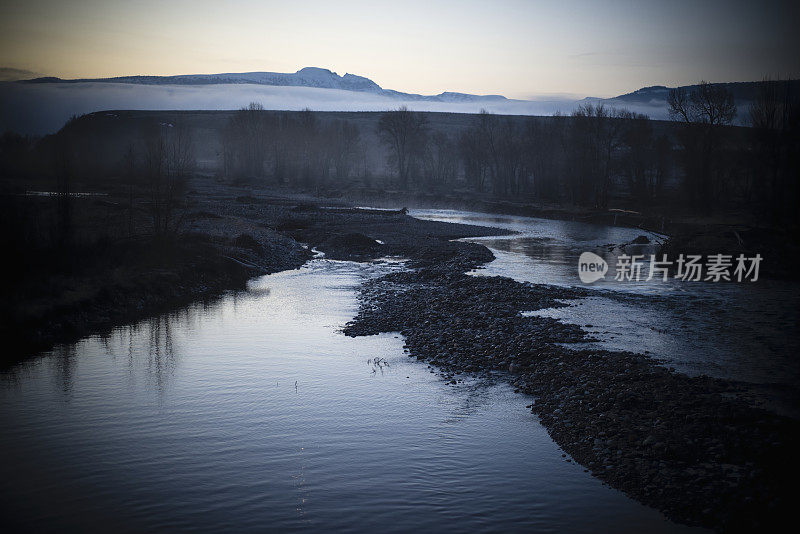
[742, 331]
[255, 413]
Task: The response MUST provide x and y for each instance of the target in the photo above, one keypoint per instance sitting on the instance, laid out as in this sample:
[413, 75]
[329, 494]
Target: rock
[249, 242]
[350, 246]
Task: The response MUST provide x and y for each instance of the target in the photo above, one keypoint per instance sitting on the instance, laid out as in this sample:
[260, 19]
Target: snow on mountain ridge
[306, 77]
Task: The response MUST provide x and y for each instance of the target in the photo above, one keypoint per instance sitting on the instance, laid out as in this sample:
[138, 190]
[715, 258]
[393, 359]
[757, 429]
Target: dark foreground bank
[689, 447]
[114, 270]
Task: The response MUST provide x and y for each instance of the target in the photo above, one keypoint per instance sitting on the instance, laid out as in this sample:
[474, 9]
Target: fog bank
[44, 107]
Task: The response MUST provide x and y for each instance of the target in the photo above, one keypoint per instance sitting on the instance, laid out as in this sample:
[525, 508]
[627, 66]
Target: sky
[520, 49]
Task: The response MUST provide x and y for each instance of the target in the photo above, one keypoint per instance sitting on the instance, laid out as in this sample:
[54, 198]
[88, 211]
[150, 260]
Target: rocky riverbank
[689, 447]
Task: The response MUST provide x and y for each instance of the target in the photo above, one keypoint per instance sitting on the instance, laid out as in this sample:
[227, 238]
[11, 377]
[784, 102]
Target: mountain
[305, 77]
[43, 105]
[652, 101]
[741, 91]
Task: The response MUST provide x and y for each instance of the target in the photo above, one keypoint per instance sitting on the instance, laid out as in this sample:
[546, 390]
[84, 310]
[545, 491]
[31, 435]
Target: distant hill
[745, 91]
[652, 101]
[305, 77]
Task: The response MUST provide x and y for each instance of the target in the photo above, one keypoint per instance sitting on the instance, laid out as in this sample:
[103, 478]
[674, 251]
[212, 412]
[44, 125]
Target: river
[747, 332]
[254, 412]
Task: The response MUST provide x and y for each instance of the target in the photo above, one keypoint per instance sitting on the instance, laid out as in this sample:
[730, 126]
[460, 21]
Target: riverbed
[255, 412]
[740, 331]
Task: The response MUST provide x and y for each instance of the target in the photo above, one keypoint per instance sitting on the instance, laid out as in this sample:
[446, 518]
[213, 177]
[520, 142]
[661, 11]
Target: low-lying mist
[44, 107]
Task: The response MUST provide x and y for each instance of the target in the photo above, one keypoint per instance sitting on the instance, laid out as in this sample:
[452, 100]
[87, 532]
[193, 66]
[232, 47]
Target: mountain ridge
[306, 77]
[42, 105]
[651, 98]
[743, 92]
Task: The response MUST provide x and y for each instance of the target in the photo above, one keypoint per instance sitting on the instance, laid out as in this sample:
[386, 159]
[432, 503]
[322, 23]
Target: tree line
[573, 159]
[599, 156]
[294, 149]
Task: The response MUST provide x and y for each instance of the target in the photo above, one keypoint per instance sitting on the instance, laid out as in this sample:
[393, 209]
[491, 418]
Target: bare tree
[596, 135]
[487, 127]
[313, 160]
[404, 132]
[474, 159]
[492, 151]
[244, 141]
[346, 139]
[180, 146]
[637, 159]
[441, 161]
[702, 111]
[680, 105]
[169, 160]
[544, 148]
[708, 104]
[512, 172]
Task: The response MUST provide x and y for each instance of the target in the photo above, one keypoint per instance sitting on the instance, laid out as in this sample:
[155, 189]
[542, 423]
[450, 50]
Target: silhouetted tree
[544, 154]
[403, 132]
[168, 161]
[474, 158]
[441, 161]
[707, 104]
[493, 152]
[702, 111]
[346, 139]
[596, 134]
[244, 141]
[314, 166]
[637, 162]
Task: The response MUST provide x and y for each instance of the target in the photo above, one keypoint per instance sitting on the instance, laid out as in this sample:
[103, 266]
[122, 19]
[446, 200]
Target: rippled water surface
[741, 331]
[255, 413]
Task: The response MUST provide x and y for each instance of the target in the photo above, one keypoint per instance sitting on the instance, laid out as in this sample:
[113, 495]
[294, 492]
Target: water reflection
[378, 365]
[147, 347]
[161, 351]
[256, 412]
[63, 362]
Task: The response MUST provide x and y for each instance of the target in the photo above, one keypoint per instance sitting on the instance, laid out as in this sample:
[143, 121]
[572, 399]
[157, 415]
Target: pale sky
[516, 48]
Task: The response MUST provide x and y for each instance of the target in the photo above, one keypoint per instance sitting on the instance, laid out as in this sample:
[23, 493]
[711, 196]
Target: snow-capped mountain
[305, 77]
[42, 105]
